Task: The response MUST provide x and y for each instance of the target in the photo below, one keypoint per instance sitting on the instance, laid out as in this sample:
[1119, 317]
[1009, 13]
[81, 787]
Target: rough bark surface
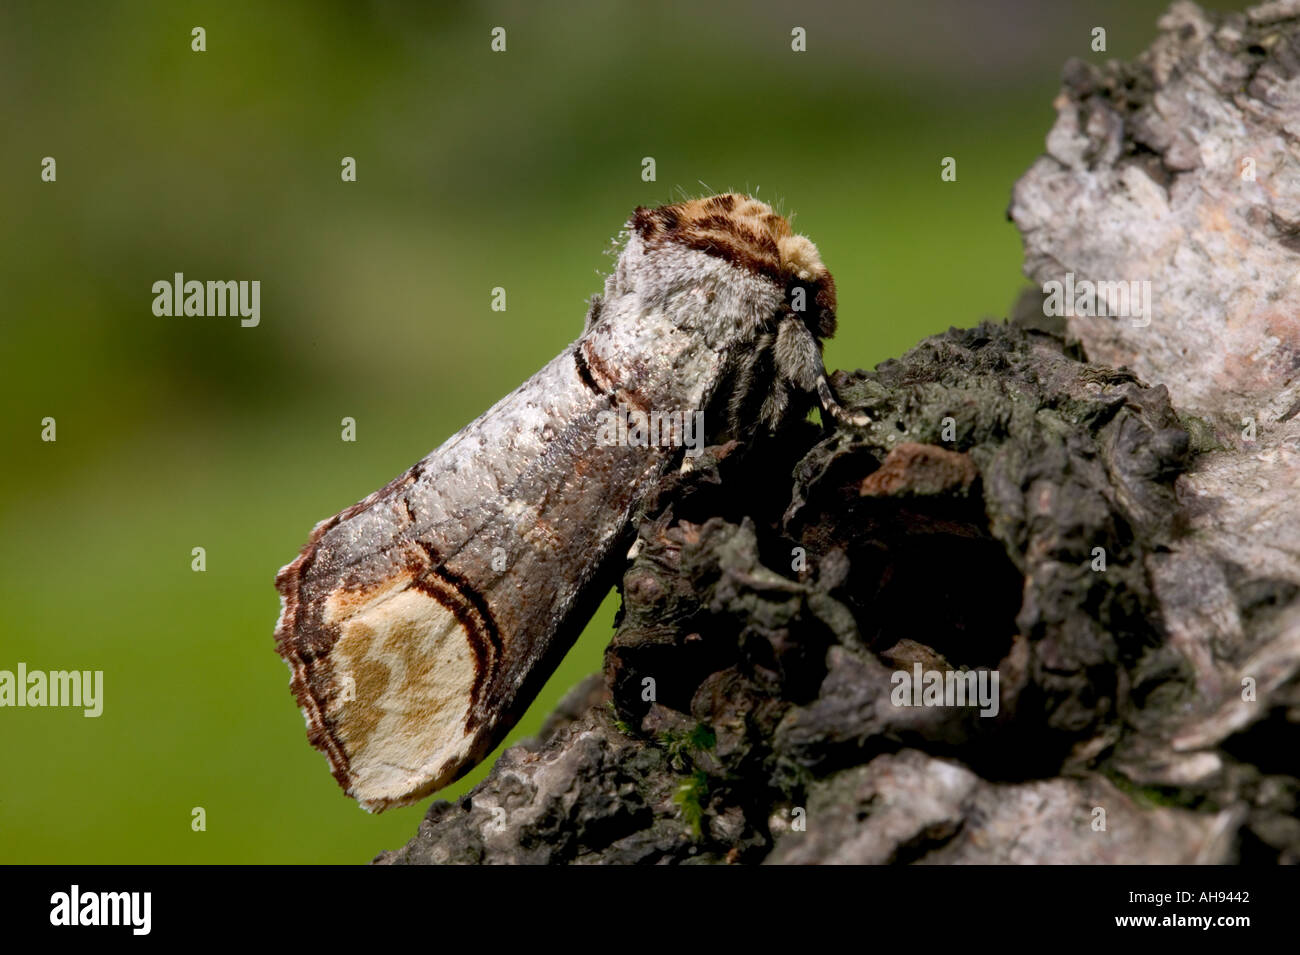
[1100, 511]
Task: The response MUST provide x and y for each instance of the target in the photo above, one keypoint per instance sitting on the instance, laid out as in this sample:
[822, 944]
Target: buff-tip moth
[419, 623]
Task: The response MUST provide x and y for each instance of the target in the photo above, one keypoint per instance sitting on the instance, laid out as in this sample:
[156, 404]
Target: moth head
[748, 234]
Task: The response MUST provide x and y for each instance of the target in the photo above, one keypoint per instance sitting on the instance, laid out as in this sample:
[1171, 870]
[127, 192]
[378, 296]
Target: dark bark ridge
[772, 686]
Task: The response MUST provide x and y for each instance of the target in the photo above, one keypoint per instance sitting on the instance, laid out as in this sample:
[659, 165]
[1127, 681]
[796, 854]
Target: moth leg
[798, 359]
[748, 376]
[776, 404]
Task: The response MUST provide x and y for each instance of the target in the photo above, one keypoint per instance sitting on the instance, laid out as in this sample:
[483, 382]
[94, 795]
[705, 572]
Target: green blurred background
[475, 169]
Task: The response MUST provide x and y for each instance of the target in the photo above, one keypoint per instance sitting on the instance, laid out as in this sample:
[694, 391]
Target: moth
[419, 623]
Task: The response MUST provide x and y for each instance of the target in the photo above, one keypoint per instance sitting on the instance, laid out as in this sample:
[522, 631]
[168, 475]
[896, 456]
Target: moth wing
[385, 653]
[411, 651]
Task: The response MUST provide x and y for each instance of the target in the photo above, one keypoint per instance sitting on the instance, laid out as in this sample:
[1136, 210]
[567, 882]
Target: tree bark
[1099, 510]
